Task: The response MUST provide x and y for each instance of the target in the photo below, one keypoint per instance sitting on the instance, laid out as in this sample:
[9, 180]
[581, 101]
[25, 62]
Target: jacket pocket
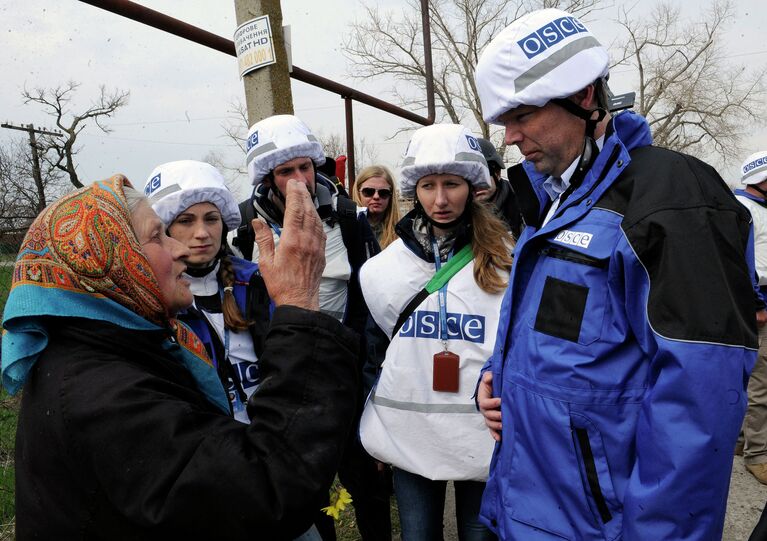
[596, 477]
[573, 296]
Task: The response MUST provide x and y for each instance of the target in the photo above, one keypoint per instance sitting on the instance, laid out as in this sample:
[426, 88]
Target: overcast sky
[181, 91]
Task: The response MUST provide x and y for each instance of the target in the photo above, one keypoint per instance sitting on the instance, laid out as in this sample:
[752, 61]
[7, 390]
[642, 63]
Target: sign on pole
[254, 44]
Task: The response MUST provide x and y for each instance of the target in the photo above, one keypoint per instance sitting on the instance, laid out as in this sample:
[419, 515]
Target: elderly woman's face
[165, 256]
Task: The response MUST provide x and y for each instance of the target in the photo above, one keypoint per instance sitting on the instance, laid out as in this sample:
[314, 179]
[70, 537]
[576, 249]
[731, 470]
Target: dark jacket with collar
[335, 209]
[115, 441]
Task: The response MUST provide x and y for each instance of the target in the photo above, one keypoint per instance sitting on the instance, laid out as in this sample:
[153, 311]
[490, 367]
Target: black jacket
[507, 208]
[116, 442]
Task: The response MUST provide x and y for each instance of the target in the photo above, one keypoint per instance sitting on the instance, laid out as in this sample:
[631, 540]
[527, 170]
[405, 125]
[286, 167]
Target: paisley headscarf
[81, 258]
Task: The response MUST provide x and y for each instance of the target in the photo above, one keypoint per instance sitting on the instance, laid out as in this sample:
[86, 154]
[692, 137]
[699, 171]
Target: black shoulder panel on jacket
[690, 234]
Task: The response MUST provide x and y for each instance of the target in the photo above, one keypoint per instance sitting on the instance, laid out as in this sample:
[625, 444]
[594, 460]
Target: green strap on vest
[448, 270]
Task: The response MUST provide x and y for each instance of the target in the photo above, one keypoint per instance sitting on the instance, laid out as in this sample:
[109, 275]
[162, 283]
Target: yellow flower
[339, 498]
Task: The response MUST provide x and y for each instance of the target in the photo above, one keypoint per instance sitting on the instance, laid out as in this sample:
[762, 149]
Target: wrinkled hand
[489, 406]
[293, 270]
[761, 318]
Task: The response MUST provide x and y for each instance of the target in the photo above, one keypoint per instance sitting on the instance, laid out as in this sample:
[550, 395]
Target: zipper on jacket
[591, 473]
[573, 257]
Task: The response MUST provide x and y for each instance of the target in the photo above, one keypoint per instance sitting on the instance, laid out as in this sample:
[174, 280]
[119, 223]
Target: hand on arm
[489, 406]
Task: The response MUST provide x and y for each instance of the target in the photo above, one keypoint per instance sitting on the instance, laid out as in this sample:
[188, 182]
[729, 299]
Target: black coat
[116, 442]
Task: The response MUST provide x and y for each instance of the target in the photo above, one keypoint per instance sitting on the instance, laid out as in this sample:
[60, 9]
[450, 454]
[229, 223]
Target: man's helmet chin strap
[592, 117]
[758, 189]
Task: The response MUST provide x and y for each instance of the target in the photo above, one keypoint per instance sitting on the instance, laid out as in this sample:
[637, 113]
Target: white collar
[556, 186]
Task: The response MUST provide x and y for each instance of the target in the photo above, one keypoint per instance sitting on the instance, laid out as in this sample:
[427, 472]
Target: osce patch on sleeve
[574, 238]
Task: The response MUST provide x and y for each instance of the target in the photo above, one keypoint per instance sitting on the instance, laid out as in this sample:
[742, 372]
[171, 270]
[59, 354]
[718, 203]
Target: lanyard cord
[442, 295]
[229, 366]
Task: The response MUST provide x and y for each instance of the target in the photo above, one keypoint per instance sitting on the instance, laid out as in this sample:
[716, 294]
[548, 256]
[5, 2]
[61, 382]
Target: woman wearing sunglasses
[375, 189]
[421, 417]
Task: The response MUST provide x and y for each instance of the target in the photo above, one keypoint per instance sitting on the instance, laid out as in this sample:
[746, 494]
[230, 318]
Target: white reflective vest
[438, 435]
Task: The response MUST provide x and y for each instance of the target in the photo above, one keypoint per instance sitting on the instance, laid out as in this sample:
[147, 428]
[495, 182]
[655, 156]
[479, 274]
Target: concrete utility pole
[31, 130]
[267, 90]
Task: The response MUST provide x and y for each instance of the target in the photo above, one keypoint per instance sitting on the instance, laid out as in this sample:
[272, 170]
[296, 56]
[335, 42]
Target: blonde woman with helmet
[421, 417]
[231, 306]
[375, 190]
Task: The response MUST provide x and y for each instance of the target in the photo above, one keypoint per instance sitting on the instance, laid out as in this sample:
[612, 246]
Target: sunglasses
[383, 193]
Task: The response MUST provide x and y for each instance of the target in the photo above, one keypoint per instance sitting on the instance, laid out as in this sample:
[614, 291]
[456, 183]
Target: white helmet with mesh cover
[276, 140]
[544, 55]
[173, 187]
[447, 149]
[754, 169]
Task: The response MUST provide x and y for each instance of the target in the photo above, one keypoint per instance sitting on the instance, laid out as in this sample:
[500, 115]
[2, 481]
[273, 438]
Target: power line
[112, 138]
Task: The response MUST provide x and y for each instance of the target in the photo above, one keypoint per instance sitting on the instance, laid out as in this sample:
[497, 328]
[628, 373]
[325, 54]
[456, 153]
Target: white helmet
[276, 140]
[173, 187]
[447, 149]
[754, 169]
[544, 55]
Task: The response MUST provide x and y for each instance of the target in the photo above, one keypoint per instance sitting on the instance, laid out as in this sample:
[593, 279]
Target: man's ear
[586, 98]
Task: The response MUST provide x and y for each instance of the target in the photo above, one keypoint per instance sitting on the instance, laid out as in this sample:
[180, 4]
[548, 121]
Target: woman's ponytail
[233, 318]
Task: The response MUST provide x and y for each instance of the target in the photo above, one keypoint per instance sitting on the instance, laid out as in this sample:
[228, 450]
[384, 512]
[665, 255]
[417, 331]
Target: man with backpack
[752, 443]
[280, 148]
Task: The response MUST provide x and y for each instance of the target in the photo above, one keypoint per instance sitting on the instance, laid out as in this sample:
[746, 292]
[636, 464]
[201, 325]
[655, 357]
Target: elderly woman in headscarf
[124, 429]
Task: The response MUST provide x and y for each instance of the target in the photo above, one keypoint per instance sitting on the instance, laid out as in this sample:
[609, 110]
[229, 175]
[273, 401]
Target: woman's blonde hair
[492, 244]
[391, 214]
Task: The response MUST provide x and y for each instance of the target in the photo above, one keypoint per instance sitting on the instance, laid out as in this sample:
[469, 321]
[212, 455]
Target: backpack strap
[245, 236]
[351, 231]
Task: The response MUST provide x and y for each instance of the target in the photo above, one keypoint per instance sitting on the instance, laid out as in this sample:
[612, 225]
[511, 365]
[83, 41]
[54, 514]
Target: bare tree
[385, 44]
[21, 198]
[695, 99]
[60, 152]
[333, 144]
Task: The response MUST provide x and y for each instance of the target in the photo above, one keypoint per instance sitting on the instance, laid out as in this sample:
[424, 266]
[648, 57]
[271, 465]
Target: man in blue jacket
[627, 332]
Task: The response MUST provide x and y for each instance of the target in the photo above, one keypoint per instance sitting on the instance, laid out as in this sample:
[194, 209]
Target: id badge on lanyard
[446, 363]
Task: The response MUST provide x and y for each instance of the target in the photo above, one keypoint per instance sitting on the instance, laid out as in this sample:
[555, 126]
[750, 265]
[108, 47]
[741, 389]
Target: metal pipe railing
[349, 137]
[158, 20]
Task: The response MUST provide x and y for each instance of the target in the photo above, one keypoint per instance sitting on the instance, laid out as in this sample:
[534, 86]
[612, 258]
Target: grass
[6, 272]
[9, 408]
